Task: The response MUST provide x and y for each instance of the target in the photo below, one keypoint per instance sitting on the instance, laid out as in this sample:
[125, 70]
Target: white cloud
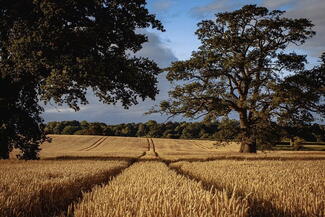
[313, 10]
[162, 5]
[156, 50]
[215, 7]
[54, 110]
[275, 4]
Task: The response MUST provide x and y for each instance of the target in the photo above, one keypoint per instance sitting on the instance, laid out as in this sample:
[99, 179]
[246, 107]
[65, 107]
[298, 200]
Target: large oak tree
[56, 50]
[243, 66]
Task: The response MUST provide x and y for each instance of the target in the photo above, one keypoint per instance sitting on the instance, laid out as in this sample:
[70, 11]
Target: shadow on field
[241, 158]
[100, 158]
[194, 159]
[257, 207]
[66, 207]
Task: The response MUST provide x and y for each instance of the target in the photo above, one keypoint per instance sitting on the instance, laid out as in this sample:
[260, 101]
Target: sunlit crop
[151, 189]
[275, 188]
[85, 146]
[168, 177]
[42, 187]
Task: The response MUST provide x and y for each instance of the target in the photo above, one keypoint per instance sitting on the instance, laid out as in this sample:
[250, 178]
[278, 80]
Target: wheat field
[152, 189]
[285, 188]
[114, 176]
[79, 145]
[69, 146]
[172, 149]
[42, 187]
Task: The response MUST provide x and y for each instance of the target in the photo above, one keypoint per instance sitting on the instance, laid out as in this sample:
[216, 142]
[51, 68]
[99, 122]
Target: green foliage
[228, 130]
[149, 129]
[95, 129]
[57, 50]
[81, 132]
[225, 130]
[70, 130]
[239, 68]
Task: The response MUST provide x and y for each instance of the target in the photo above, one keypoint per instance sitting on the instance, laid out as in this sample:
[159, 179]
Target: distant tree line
[225, 130]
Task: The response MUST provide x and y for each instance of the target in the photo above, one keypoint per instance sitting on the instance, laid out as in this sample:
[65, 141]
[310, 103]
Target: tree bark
[4, 148]
[248, 145]
[292, 142]
[4, 111]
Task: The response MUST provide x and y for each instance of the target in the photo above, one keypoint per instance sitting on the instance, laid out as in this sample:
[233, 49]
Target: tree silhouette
[56, 50]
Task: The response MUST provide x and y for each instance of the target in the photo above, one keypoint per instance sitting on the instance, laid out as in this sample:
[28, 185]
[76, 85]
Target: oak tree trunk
[4, 148]
[248, 145]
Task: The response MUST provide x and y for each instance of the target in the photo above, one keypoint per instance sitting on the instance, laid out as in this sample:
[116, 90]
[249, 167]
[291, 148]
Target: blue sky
[180, 18]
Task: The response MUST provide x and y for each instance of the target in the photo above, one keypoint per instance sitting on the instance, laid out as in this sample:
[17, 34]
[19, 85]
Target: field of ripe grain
[151, 189]
[87, 146]
[104, 146]
[75, 146]
[41, 188]
[274, 188]
[173, 149]
[169, 178]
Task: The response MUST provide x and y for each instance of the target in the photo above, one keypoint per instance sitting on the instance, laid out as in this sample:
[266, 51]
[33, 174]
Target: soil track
[68, 208]
[151, 153]
[154, 148]
[199, 145]
[95, 144]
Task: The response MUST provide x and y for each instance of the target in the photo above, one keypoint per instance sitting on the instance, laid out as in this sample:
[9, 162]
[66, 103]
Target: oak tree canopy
[244, 66]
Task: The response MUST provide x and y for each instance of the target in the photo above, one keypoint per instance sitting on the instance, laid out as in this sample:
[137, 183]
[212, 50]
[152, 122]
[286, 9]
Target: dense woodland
[226, 129]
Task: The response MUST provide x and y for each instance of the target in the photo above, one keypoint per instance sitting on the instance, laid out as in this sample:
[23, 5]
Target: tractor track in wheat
[95, 144]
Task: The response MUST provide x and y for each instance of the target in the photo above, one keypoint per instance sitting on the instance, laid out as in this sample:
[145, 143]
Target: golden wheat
[253, 184]
[175, 149]
[95, 146]
[167, 149]
[151, 189]
[42, 187]
[276, 188]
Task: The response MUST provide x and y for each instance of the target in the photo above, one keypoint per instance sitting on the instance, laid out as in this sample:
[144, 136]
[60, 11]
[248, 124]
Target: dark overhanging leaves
[56, 50]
